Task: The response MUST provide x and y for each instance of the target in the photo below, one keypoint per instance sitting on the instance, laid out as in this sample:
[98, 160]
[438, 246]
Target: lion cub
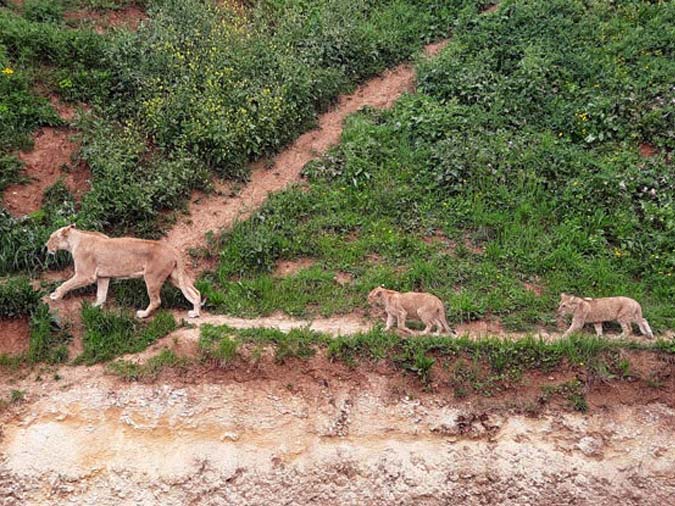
[586, 310]
[423, 306]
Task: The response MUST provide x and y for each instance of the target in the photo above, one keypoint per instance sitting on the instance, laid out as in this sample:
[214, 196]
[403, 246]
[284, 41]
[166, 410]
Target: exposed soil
[648, 150]
[289, 267]
[128, 17]
[318, 432]
[48, 161]
[14, 336]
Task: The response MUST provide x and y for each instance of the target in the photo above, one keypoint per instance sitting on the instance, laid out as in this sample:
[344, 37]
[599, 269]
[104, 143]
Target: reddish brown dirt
[535, 288]
[14, 336]
[490, 8]
[289, 267]
[53, 149]
[648, 150]
[129, 18]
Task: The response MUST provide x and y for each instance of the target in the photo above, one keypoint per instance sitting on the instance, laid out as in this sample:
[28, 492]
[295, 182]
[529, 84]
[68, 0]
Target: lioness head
[59, 239]
[568, 303]
[375, 295]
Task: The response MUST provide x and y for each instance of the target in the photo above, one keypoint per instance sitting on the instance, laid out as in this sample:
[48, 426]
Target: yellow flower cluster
[7, 71]
[583, 116]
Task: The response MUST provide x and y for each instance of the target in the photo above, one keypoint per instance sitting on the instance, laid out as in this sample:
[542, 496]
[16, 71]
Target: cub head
[376, 295]
[59, 239]
[568, 303]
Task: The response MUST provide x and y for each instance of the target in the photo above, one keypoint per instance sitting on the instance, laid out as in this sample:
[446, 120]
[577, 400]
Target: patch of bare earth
[286, 268]
[128, 17]
[14, 336]
[48, 161]
[320, 432]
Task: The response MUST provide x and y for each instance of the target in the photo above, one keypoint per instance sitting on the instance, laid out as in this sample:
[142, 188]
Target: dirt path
[218, 211]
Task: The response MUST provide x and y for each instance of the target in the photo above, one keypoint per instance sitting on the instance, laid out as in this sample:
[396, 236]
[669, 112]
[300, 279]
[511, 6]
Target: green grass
[109, 333]
[519, 154]
[149, 370]
[482, 365]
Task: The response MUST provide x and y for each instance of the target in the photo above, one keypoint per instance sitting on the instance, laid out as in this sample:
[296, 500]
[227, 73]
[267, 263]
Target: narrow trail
[216, 211]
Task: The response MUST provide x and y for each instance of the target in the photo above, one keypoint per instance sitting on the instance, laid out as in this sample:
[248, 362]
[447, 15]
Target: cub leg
[427, 317]
[626, 329]
[101, 291]
[400, 321]
[390, 321]
[645, 328]
[77, 281]
[577, 324]
[598, 328]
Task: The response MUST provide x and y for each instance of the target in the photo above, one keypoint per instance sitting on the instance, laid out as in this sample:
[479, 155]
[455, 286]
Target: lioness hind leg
[645, 328]
[598, 328]
[189, 292]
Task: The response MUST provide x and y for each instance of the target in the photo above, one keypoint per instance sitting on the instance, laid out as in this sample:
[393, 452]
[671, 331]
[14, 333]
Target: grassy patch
[516, 164]
[109, 333]
[476, 366]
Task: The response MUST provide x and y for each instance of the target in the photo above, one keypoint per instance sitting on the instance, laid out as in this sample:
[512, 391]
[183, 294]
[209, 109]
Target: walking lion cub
[423, 306]
[98, 258]
[586, 310]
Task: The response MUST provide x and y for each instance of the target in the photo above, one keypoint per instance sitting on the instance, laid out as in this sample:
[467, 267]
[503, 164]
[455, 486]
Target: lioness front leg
[101, 291]
[598, 328]
[77, 281]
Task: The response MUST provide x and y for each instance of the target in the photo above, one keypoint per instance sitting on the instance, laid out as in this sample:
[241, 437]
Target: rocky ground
[318, 432]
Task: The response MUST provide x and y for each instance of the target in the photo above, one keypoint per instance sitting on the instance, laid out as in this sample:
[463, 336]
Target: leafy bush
[17, 297]
[43, 11]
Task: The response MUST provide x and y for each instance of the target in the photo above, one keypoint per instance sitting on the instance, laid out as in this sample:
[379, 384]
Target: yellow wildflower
[7, 71]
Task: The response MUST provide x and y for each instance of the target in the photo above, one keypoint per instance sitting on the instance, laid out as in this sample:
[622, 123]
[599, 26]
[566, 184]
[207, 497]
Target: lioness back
[127, 256]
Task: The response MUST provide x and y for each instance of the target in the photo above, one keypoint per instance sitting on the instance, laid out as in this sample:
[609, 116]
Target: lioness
[586, 310]
[98, 258]
[423, 306]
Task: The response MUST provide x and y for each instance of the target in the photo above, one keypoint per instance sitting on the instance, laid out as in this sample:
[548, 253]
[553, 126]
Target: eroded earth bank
[320, 432]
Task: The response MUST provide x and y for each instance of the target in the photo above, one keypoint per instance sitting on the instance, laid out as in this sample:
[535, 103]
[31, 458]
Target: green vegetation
[483, 367]
[148, 371]
[109, 333]
[198, 89]
[516, 162]
[48, 338]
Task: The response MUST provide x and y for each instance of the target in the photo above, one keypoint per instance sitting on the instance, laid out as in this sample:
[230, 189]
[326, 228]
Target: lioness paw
[54, 296]
[141, 314]
[193, 314]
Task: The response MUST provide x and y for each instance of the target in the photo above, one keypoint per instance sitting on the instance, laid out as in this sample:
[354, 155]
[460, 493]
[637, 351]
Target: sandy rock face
[94, 440]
